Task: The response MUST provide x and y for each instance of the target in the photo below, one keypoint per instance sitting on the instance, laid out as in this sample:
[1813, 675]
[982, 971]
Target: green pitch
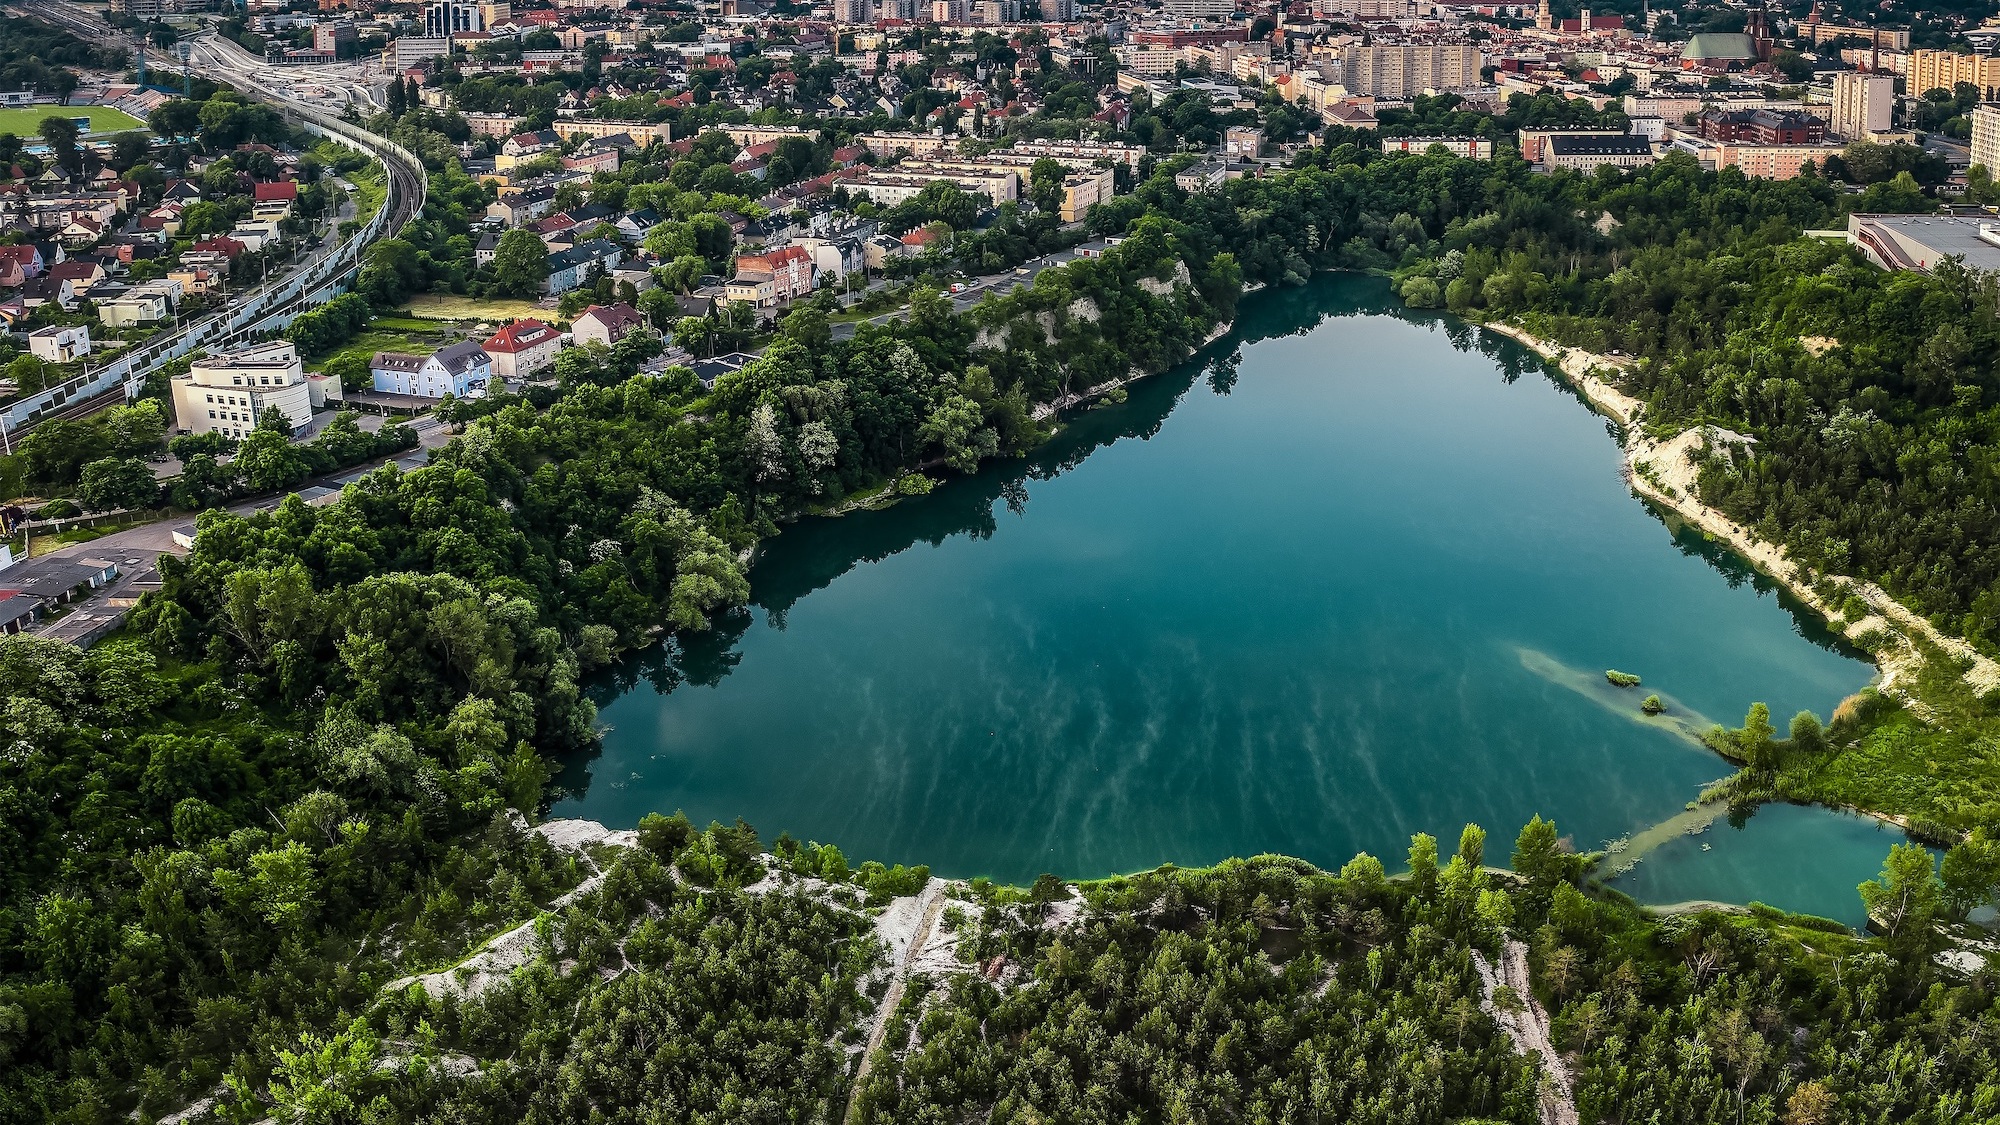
[104, 120]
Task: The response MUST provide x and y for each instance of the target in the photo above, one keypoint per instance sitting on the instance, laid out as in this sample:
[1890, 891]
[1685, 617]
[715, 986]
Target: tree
[61, 133]
[1903, 901]
[520, 264]
[1756, 740]
[696, 334]
[1807, 735]
[1424, 864]
[351, 369]
[1045, 184]
[177, 117]
[203, 483]
[806, 325]
[1536, 857]
[274, 420]
[56, 451]
[269, 462]
[1970, 874]
[117, 482]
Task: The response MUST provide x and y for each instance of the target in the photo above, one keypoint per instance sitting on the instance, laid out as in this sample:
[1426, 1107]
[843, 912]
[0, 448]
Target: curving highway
[313, 280]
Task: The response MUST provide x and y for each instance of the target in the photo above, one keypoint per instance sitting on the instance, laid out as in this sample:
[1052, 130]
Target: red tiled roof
[520, 336]
[281, 189]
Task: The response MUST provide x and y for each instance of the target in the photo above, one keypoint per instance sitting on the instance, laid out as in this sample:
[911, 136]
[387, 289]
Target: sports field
[103, 119]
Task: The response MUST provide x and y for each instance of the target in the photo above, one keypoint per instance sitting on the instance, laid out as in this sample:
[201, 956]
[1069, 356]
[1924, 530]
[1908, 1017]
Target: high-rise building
[148, 9]
[1944, 70]
[854, 11]
[1861, 103]
[1059, 11]
[446, 18]
[1405, 72]
[1986, 137]
[1199, 9]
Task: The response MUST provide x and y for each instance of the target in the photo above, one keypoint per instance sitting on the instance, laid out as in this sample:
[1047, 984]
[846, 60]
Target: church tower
[1544, 19]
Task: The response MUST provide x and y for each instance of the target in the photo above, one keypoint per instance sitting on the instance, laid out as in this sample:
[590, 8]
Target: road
[974, 291]
[136, 550]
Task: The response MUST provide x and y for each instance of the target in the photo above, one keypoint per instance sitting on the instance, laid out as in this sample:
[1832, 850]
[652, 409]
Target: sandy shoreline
[1664, 472]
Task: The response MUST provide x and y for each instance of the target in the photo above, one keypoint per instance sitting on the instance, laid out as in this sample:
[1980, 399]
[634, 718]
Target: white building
[1986, 137]
[228, 392]
[462, 369]
[1861, 104]
[1471, 148]
[60, 345]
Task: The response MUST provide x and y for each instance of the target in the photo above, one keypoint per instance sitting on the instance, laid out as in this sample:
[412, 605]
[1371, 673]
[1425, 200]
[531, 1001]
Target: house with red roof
[19, 263]
[523, 348]
[771, 278]
[221, 244]
[280, 190]
[607, 324]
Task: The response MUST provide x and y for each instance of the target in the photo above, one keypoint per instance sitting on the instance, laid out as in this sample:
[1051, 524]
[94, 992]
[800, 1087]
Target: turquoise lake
[1354, 572]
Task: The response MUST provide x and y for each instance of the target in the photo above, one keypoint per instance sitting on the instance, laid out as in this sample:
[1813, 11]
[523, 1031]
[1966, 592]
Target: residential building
[1534, 142]
[19, 263]
[523, 348]
[1862, 103]
[641, 132]
[1762, 127]
[1406, 71]
[1986, 137]
[777, 277]
[1471, 148]
[1944, 70]
[606, 324]
[135, 307]
[446, 18]
[1073, 153]
[835, 257]
[1242, 142]
[58, 344]
[1772, 162]
[1919, 242]
[227, 392]
[332, 35]
[1586, 152]
[568, 268]
[889, 187]
[1206, 176]
[414, 50]
[492, 124]
[462, 369]
[1199, 9]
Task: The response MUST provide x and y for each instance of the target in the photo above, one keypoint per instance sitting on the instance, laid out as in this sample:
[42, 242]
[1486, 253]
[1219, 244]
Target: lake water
[1353, 573]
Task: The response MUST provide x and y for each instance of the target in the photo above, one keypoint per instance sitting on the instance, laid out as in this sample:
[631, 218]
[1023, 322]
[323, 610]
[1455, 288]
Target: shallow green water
[1352, 574]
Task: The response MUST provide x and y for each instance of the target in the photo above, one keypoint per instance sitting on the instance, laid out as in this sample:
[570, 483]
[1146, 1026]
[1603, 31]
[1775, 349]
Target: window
[211, 414]
[236, 380]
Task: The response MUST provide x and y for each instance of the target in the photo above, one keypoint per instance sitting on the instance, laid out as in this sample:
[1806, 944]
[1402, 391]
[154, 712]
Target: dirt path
[1664, 472]
[894, 996]
[1528, 1026]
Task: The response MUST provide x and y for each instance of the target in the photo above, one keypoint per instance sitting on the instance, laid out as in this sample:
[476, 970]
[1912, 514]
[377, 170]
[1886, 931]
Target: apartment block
[1406, 71]
[1862, 103]
[1944, 70]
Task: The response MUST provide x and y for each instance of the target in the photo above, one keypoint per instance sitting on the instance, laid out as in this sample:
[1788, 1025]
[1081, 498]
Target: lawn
[390, 339]
[451, 306]
[103, 119]
[370, 190]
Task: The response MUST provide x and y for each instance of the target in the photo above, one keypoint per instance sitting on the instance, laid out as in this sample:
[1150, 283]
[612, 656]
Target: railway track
[272, 305]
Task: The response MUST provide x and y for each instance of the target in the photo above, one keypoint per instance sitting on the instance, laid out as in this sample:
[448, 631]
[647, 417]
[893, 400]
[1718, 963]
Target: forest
[309, 766]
